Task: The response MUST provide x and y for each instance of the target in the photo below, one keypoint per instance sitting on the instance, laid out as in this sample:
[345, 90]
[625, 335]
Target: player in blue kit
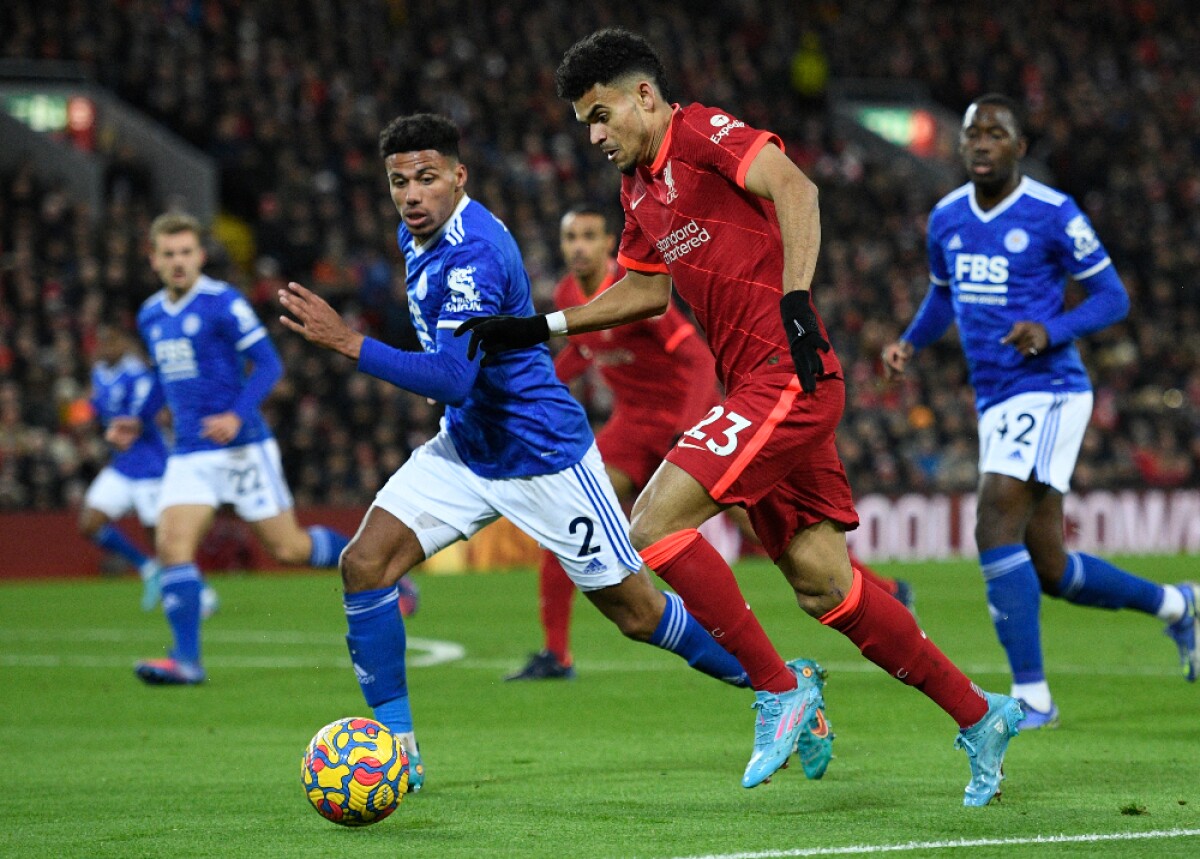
[1001, 248]
[513, 441]
[201, 334]
[126, 398]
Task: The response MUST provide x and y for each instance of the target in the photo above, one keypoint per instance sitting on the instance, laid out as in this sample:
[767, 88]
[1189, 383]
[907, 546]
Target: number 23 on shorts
[717, 435]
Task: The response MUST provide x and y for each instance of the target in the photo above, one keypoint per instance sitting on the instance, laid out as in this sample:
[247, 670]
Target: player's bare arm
[634, 297]
[317, 322]
[1028, 338]
[773, 176]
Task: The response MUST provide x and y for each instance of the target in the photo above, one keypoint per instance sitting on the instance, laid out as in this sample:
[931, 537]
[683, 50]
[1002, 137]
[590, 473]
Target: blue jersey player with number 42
[1001, 248]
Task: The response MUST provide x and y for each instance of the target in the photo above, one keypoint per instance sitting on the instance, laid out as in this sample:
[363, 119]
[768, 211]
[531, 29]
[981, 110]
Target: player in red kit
[714, 206]
[662, 381]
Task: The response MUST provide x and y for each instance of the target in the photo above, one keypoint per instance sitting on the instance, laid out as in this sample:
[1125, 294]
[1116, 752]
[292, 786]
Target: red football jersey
[689, 215]
[656, 365]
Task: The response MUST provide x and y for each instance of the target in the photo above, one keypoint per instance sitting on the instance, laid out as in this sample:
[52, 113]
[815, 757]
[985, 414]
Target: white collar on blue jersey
[174, 309]
[432, 241]
[1001, 207]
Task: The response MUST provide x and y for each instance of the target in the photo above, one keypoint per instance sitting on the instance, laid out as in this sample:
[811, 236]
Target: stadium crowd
[289, 101]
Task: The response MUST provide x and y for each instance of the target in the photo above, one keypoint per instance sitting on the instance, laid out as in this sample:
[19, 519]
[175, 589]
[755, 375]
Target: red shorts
[635, 443]
[771, 448]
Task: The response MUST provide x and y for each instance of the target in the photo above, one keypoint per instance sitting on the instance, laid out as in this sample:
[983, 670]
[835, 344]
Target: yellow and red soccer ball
[355, 772]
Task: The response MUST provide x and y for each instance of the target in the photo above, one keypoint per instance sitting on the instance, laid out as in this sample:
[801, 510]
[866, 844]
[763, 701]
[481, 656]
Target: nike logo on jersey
[683, 442]
[634, 204]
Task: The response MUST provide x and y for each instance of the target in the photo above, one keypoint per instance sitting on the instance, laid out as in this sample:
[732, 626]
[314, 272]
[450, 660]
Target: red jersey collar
[660, 159]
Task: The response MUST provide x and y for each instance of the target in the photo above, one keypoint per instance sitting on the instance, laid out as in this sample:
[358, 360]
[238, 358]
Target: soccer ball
[355, 772]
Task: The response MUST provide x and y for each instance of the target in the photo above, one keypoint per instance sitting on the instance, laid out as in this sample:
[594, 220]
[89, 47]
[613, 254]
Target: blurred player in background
[513, 441]
[715, 208]
[1001, 249]
[201, 334]
[662, 381]
[126, 393]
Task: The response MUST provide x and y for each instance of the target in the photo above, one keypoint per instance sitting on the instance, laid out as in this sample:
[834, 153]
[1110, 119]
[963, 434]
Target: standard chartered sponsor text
[682, 241]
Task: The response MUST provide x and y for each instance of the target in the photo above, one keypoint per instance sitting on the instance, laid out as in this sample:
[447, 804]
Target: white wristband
[556, 322]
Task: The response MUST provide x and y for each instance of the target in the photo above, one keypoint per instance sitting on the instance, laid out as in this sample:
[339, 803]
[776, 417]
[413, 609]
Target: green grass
[638, 757]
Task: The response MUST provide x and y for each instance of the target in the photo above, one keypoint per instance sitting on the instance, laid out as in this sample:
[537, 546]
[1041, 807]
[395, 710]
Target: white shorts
[114, 495]
[1036, 434]
[574, 512]
[249, 476]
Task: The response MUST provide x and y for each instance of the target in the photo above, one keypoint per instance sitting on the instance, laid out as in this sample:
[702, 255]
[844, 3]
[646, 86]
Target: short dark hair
[420, 131]
[1009, 104]
[604, 57]
[593, 210]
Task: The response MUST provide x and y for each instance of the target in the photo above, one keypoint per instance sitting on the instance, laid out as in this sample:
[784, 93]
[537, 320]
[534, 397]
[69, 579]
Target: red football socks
[887, 634]
[555, 593]
[871, 576]
[698, 573]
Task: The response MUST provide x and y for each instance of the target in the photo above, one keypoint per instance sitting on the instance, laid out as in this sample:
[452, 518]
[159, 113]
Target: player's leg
[817, 566]
[575, 513]
[1086, 580]
[1012, 437]
[260, 495]
[644, 613]
[110, 496]
[556, 592]
[180, 529]
[897, 588]
[383, 550]
[665, 518]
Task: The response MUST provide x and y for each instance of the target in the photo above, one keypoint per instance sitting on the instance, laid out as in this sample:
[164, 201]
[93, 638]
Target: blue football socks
[181, 604]
[327, 546]
[110, 537]
[1092, 581]
[1014, 599]
[681, 634]
[377, 641]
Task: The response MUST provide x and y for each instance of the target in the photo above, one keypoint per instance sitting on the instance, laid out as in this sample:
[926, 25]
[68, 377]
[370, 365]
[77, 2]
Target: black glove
[804, 337]
[495, 334]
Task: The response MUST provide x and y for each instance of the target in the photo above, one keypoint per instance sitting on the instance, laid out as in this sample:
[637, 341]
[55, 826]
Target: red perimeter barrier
[49, 545]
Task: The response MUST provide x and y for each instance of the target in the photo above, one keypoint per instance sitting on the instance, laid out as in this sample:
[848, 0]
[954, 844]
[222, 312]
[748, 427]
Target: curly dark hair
[420, 131]
[605, 56]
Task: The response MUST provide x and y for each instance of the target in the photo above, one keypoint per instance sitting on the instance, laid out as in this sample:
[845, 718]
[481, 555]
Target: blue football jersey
[1007, 265]
[128, 388]
[518, 420]
[196, 345]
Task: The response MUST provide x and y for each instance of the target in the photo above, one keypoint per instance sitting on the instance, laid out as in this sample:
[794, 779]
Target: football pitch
[637, 757]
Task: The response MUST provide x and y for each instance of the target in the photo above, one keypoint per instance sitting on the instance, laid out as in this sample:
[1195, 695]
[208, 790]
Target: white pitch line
[863, 849]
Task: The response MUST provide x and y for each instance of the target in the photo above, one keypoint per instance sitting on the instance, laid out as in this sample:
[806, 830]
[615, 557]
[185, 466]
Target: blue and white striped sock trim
[178, 574]
[674, 622]
[355, 606]
[1006, 565]
[1072, 579]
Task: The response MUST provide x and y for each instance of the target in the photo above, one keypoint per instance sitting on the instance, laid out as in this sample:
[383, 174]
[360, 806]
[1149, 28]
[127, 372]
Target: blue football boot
[781, 719]
[1037, 719]
[416, 769]
[985, 743]
[1184, 632]
[169, 672]
[815, 745]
